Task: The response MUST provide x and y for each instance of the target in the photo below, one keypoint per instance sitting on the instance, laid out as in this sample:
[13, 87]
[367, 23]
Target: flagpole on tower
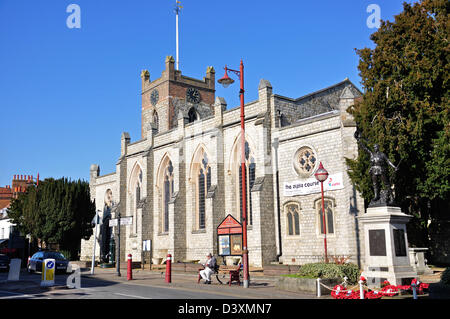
[177, 10]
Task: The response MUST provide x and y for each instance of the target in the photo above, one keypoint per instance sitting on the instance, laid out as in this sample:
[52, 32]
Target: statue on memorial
[378, 172]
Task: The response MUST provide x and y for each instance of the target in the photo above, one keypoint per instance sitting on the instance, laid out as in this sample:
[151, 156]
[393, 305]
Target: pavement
[146, 284]
[260, 287]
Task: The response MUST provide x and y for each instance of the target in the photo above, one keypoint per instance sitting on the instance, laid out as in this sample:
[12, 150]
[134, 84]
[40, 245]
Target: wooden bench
[233, 271]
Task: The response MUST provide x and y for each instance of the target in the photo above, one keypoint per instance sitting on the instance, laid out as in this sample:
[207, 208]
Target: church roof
[319, 102]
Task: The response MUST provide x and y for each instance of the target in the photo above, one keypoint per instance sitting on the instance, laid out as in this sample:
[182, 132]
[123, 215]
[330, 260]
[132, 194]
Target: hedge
[324, 270]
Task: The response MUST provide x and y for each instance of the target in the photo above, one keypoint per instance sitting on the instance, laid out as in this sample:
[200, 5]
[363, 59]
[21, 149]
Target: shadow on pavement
[29, 285]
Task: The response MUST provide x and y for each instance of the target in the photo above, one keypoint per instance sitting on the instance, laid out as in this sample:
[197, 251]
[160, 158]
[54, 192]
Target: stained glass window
[293, 219]
[167, 194]
[328, 208]
[203, 185]
[305, 161]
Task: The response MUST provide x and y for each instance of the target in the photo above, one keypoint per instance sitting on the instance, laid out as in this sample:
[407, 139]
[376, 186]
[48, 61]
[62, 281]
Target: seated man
[210, 265]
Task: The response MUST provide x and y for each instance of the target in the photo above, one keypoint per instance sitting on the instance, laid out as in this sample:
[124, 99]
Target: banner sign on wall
[312, 185]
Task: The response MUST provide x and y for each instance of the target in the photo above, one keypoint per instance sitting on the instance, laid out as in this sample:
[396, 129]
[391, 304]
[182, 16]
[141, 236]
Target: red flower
[389, 291]
[338, 292]
[423, 285]
[373, 294]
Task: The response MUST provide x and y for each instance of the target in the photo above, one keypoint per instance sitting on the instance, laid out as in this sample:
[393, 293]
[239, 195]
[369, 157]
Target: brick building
[19, 185]
[182, 177]
[10, 239]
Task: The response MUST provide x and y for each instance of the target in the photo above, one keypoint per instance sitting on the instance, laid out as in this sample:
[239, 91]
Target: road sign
[123, 221]
[113, 222]
[126, 220]
[48, 272]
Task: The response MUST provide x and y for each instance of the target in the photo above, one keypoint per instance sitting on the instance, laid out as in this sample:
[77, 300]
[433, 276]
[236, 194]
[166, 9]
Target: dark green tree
[405, 109]
[57, 211]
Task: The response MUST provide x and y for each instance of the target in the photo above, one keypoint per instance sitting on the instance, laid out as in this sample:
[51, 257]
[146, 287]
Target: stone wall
[99, 185]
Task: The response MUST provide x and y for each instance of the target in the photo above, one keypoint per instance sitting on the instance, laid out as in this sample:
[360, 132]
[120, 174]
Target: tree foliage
[405, 108]
[57, 211]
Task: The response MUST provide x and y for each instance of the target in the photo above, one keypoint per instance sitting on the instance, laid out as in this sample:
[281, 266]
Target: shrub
[324, 270]
[66, 254]
[445, 277]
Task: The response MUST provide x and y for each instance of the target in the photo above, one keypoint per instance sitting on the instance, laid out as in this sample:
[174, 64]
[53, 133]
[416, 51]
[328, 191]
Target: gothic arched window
[156, 121]
[135, 196]
[192, 115]
[203, 183]
[293, 219]
[250, 170]
[167, 191]
[329, 215]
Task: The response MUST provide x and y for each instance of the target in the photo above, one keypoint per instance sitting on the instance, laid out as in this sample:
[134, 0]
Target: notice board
[229, 237]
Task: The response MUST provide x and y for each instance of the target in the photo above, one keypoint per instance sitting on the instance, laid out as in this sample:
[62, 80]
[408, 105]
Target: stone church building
[182, 177]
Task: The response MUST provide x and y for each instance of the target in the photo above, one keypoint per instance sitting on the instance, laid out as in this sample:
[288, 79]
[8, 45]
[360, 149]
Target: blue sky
[66, 95]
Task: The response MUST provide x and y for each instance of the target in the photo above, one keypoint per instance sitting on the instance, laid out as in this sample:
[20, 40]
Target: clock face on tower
[192, 95]
[154, 96]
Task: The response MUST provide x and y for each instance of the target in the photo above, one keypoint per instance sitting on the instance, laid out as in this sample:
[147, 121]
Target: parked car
[35, 262]
[4, 263]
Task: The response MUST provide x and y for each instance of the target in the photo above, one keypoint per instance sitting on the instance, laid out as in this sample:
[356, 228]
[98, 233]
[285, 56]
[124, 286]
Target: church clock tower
[174, 95]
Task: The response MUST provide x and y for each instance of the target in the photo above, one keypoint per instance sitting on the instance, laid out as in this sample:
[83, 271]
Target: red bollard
[129, 270]
[169, 268]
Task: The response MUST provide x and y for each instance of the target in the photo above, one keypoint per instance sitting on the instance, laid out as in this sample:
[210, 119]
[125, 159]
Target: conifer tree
[57, 211]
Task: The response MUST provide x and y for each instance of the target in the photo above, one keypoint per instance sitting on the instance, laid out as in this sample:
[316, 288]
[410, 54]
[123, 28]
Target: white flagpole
[177, 10]
[177, 65]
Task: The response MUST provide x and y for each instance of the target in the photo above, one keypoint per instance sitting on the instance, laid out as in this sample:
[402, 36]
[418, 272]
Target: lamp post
[115, 208]
[96, 221]
[118, 245]
[226, 81]
[321, 175]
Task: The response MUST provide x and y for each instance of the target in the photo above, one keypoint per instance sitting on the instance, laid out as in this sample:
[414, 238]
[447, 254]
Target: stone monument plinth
[418, 261]
[386, 246]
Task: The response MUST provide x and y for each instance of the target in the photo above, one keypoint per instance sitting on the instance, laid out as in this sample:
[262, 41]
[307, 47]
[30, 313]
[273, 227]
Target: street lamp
[226, 81]
[115, 208]
[96, 222]
[118, 245]
[322, 175]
